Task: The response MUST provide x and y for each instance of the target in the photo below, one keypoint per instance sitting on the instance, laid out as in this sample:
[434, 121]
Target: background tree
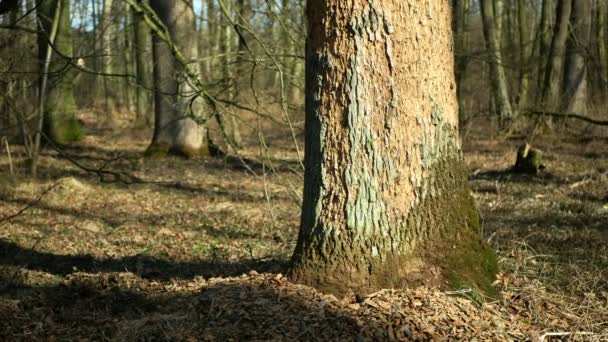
[175, 130]
[386, 201]
[143, 70]
[60, 122]
[577, 50]
[492, 29]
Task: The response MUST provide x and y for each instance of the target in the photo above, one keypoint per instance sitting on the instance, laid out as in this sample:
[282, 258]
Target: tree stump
[529, 160]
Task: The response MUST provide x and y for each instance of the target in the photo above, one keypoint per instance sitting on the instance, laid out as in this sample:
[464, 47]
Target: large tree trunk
[553, 72]
[575, 72]
[498, 78]
[386, 200]
[60, 122]
[175, 130]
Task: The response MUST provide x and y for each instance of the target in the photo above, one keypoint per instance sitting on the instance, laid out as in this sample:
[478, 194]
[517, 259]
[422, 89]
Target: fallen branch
[565, 116]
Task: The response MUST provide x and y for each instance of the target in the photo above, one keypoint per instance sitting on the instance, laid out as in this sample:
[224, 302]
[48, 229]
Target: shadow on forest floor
[147, 267]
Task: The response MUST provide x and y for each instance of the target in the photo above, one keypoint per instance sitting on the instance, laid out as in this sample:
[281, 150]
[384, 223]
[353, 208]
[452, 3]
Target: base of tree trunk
[529, 160]
[157, 150]
[445, 249]
[63, 131]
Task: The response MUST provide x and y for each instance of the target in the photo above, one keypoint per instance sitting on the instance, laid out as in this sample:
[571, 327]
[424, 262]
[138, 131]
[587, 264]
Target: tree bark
[107, 36]
[142, 46]
[575, 72]
[175, 130]
[386, 200]
[60, 122]
[525, 50]
[229, 119]
[544, 39]
[500, 92]
[553, 73]
[460, 24]
[602, 14]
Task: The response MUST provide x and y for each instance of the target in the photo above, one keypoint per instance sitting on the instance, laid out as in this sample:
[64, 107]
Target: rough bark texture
[498, 78]
[575, 72]
[175, 131]
[60, 122]
[386, 200]
[553, 72]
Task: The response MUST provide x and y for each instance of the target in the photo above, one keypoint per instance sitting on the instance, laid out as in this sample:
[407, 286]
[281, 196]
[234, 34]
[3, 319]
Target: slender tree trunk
[245, 14]
[386, 200]
[296, 67]
[128, 67]
[142, 46]
[498, 78]
[107, 34]
[525, 51]
[602, 14]
[460, 27]
[60, 122]
[553, 73]
[175, 130]
[233, 130]
[212, 31]
[544, 40]
[499, 20]
[577, 48]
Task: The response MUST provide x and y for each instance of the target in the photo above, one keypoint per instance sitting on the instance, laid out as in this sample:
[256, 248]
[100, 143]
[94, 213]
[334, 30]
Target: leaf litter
[199, 253]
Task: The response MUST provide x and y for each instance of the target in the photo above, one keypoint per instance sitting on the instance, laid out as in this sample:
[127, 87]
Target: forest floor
[196, 249]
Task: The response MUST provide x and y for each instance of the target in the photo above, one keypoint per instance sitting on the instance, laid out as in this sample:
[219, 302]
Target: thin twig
[566, 116]
[30, 204]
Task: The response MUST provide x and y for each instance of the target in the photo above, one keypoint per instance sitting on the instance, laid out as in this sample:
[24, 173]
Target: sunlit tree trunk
[500, 92]
[553, 72]
[577, 47]
[229, 120]
[107, 35]
[60, 122]
[386, 200]
[499, 17]
[175, 130]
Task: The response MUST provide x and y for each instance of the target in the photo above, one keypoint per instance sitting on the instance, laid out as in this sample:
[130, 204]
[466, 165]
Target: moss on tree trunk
[386, 200]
